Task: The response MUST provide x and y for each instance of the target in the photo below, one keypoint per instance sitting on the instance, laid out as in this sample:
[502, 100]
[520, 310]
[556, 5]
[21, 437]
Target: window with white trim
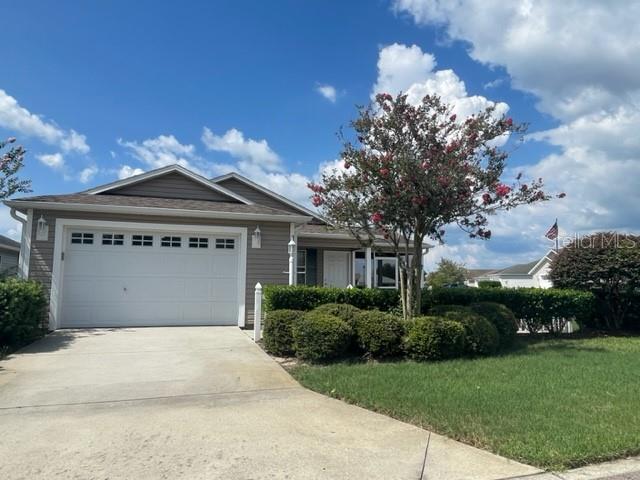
[228, 243]
[112, 239]
[171, 241]
[302, 267]
[198, 242]
[142, 240]
[386, 274]
[82, 238]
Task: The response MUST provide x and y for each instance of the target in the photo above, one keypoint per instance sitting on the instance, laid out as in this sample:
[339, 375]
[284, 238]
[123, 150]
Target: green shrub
[378, 334]
[435, 338]
[318, 337]
[481, 336]
[343, 311]
[22, 312]
[489, 284]
[301, 297]
[278, 331]
[502, 318]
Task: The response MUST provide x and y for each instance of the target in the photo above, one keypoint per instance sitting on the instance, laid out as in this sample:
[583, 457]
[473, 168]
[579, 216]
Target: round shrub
[278, 331]
[435, 338]
[502, 318]
[343, 311]
[482, 337]
[378, 334]
[318, 337]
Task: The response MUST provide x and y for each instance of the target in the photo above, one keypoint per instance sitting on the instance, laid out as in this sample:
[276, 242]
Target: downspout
[25, 241]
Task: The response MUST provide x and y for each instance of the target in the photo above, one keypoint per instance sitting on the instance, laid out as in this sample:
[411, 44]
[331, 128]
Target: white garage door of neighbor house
[148, 278]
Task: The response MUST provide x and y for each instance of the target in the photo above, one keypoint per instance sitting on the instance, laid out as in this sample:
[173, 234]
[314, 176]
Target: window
[198, 242]
[302, 267]
[386, 272]
[83, 238]
[112, 239]
[171, 242]
[142, 240]
[359, 269]
[228, 243]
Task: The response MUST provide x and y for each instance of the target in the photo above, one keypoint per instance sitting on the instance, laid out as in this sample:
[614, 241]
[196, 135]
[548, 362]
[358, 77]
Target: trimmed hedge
[481, 336]
[22, 311]
[435, 338]
[502, 318]
[319, 337]
[278, 331]
[378, 334]
[300, 297]
[489, 284]
[537, 307]
[343, 311]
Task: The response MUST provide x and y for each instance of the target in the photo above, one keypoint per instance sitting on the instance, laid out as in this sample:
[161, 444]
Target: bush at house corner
[22, 313]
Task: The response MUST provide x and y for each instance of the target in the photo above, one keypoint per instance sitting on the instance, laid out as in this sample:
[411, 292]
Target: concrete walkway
[196, 403]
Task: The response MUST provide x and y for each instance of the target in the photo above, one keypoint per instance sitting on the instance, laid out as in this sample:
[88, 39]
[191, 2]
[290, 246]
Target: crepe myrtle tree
[11, 162]
[416, 169]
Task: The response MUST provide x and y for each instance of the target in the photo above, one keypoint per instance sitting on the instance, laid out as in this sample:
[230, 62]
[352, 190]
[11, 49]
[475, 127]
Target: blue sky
[140, 81]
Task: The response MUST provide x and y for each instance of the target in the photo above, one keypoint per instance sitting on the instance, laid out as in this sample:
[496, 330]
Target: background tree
[10, 163]
[607, 264]
[415, 169]
[447, 273]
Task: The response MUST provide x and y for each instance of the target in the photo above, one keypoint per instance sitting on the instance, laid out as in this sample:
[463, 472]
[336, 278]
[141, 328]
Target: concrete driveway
[196, 403]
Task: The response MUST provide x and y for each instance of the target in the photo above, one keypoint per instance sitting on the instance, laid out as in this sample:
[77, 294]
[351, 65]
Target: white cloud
[87, 174]
[18, 119]
[8, 225]
[580, 60]
[127, 171]
[162, 151]
[53, 160]
[410, 70]
[327, 91]
[255, 153]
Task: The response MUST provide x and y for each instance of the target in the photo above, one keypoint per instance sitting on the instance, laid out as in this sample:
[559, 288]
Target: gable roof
[523, 268]
[244, 180]
[6, 242]
[164, 171]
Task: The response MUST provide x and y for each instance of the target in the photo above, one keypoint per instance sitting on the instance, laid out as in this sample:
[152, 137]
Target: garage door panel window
[112, 239]
[225, 243]
[198, 242]
[142, 240]
[82, 238]
[171, 242]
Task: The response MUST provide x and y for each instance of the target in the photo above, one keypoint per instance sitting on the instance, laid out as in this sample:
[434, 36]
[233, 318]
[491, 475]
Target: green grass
[555, 404]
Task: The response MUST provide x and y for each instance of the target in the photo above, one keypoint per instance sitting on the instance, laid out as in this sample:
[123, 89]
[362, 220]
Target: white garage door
[149, 278]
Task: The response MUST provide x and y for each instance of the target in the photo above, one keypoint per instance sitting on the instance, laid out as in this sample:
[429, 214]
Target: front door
[336, 268]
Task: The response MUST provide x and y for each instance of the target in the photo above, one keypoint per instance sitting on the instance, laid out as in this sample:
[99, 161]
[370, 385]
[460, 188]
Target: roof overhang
[9, 247]
[345, 236]
[548, 257]
[164, 171]
[175, 212]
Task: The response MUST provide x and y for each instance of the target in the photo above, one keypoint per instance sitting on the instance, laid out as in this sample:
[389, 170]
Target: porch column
[292, 262]
[367, 267]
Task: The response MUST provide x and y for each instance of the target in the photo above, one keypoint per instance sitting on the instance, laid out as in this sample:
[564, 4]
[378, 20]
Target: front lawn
[554, 403]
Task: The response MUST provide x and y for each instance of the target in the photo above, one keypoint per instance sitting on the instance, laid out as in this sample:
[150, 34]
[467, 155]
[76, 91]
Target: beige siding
[257, 196]
[172, 185]
[265, 265]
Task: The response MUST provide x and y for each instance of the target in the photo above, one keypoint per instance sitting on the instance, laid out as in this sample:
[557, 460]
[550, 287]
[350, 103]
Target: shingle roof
[6, 241]
[322, 229]
[520, 269]
[478, 272]
[156, 202]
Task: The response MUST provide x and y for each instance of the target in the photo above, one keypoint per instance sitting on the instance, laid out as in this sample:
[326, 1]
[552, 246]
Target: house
[9, 252]
[532, 274]
[170, 247]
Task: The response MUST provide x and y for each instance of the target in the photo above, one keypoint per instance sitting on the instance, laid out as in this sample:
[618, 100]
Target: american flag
[552, 234]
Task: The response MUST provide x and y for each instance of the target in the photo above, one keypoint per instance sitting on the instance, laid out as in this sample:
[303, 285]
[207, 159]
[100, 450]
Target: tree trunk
[416, 274]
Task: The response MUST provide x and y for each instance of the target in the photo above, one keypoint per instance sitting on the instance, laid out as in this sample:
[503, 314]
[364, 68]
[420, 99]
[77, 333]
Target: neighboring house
[9, 253]
[169, 247]
[532, 274]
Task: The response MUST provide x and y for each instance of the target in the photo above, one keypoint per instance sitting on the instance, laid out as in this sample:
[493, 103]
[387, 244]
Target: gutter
[124, 209]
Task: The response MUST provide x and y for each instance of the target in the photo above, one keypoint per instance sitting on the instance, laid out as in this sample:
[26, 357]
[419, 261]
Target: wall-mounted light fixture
[42, 229]
[256, 238]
